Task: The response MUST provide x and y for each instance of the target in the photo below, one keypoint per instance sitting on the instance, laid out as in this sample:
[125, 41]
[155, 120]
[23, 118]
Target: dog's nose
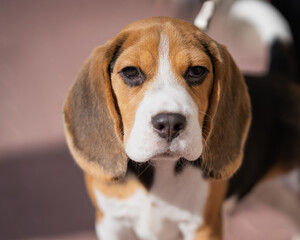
[168, 125]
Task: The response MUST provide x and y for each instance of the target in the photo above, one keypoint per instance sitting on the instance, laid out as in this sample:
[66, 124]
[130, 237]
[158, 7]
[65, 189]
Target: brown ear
[228, 117]
[92, 121]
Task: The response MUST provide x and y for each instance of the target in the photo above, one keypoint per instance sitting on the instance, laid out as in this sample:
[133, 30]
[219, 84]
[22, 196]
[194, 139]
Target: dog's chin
[166, 156]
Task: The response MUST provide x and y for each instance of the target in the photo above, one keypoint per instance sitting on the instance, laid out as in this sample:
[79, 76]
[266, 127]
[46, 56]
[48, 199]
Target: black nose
[168, 125]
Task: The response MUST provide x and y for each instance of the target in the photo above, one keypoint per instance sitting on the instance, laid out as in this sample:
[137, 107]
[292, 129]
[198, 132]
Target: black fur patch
[116, 54]
[144, 171]
[180, 165]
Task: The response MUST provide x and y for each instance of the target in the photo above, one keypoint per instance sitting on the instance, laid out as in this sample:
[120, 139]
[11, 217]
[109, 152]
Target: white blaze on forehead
[164, 75]
[164, 95]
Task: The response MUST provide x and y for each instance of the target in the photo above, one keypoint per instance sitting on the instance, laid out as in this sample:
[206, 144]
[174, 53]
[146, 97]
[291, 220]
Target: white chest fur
[173, 208]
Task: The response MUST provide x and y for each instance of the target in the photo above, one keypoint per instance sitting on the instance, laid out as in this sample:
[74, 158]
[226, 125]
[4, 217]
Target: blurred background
[42, 46]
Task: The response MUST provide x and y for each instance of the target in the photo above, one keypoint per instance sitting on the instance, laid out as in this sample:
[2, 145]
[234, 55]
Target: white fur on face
[165, 95]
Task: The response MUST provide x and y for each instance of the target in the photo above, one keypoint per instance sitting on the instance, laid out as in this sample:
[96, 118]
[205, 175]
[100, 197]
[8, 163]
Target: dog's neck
[186, 189]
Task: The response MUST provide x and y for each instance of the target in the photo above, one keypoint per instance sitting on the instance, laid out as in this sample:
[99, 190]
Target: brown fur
[89, 182]
[212, 227]
[122, 189]
[277, 170]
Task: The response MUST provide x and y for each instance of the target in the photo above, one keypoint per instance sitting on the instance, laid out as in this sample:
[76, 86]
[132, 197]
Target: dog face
[161, 89]
[163, 97]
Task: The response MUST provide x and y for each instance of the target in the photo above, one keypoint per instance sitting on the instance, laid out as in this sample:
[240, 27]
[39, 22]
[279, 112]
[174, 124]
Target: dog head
[161, 89]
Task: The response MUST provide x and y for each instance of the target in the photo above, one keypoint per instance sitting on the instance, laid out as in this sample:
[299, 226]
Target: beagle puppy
[157, 115]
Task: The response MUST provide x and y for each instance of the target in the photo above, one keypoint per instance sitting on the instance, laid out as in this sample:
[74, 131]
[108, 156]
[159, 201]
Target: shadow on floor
[42, 194]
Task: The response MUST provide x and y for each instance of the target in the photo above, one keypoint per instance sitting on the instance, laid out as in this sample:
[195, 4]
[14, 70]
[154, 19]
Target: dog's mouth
[166, 156]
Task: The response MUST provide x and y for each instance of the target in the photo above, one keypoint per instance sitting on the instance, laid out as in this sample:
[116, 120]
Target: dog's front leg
[209, 232]
[111, 229]
[212, 227]
[113, 219]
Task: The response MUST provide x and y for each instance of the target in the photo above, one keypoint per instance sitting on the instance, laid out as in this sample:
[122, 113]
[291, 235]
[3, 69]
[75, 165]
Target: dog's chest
[174, 204]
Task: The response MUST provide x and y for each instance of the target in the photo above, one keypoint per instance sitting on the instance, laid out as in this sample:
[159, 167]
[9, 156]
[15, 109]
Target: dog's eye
[132, 76]
[195, 75]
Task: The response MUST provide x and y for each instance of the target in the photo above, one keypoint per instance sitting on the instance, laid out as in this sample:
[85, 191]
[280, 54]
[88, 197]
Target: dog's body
[163, 110]
[167, 210]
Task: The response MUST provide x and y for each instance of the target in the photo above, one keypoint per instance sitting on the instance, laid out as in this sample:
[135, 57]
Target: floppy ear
[91, 118]
[228, 116]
